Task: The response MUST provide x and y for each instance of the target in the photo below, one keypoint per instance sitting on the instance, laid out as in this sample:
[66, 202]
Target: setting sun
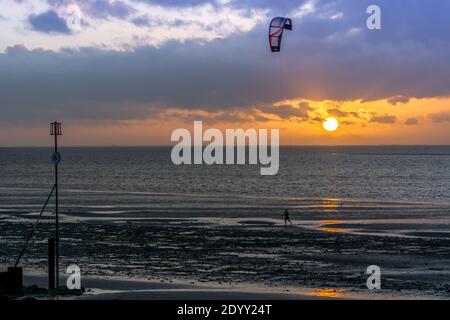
[330, 124]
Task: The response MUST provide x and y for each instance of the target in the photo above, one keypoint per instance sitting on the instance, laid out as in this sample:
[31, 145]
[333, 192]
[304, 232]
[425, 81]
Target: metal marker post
[55, 130]
[51, 263]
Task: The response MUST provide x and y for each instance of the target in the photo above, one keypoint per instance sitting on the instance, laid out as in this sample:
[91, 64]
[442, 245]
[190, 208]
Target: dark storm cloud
[48, 22]
[320, 59]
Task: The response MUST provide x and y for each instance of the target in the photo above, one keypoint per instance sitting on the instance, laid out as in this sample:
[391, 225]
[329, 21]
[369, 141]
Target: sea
[129, 211]
[88, 174]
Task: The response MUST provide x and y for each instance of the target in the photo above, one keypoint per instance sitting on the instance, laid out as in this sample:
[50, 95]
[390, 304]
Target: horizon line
[281, 145]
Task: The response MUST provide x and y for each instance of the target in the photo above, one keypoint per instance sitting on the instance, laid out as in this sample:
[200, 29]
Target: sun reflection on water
[333, 230]
[328, 293]
[327, 226]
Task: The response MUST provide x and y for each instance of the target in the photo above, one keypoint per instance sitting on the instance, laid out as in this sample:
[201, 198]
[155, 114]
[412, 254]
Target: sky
[129, 72]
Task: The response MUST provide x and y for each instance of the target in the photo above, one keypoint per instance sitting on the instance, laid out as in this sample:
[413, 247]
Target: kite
[277, 26]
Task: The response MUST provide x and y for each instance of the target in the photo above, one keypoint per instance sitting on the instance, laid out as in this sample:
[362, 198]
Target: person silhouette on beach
[286, 217]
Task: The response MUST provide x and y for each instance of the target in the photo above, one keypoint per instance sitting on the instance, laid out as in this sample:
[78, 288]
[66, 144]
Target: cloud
[287, 111]
[178, 3]
[49, 22]
[18, 49]
[411, 122]
[232, 117]
[384, 119]
[105, 8]
[217, 59]
[337, 112]
[320, 22]
[305, 105]
[141, 21]
[124, 25]
[236, 116]
[398, 100]
[220, 75]
[303, 10]
[100, 9]
[439, 117]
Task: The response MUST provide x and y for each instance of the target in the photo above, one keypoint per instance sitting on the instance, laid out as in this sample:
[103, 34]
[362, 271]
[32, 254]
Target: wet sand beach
[328, 248]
